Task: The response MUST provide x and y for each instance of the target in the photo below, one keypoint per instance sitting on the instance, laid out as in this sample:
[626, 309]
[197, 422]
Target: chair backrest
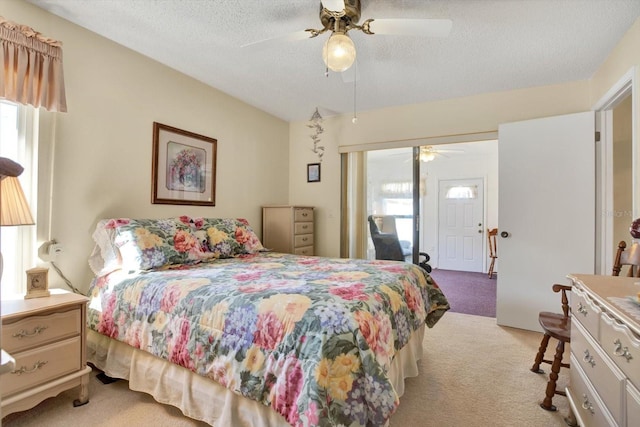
[491, 237]
[629, 257]
[387, 245]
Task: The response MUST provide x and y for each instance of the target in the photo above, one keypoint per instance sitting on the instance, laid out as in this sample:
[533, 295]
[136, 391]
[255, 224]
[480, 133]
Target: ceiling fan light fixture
[426, 155]
[339, 52]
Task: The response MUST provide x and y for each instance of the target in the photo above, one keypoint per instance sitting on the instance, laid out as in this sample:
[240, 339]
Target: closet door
[546, 209]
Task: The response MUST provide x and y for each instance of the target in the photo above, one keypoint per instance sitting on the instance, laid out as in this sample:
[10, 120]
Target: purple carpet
[467, 292]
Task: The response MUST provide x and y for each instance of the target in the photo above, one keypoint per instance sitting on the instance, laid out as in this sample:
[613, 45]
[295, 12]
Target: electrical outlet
[55, 249]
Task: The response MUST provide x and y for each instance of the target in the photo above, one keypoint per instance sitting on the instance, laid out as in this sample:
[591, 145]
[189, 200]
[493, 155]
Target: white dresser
[288, 229]
[605, 351]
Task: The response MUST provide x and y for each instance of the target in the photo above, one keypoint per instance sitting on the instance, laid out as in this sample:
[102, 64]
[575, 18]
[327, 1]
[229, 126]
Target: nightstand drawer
[303, 227]
[303, 240]
[306, 250]
[38, 330]
[303, 214]
[41, 365]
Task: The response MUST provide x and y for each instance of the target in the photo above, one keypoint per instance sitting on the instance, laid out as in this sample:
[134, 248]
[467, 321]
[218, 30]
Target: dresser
[288, 229]
[605, 351]
[47, 339]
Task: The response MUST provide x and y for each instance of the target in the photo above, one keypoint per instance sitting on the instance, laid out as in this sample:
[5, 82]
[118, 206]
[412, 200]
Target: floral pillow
[151, 243]
[223, 237]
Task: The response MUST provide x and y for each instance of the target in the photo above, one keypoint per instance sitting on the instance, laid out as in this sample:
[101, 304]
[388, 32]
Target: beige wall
[480, 113]
[623, 213]
[103, 144]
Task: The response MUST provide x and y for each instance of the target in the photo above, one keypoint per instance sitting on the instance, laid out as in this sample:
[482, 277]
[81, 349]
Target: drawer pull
[620, 351]
[304, 227]
[305, 214]
[24, 334]
[587, 405]
[304, 239]
[23, 370]
[582, 309]
[589, 358]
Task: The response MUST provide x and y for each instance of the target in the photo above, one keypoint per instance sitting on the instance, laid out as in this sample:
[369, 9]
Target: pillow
[224, 237]
[105, 257]
[151, 243]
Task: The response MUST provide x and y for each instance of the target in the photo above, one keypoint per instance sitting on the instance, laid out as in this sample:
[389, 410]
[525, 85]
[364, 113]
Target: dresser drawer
[303, 240]
[591, 411]
[602, 373]
[584, 310]
[303, 227]
[303, 214]
[38, 330]
[633, 406]
[622, 346]
[306, 250]
[41, 365]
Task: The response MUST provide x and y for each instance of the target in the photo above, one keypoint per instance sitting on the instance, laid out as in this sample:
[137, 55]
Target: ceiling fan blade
[295, 36]
[412, 27]
[333, 5]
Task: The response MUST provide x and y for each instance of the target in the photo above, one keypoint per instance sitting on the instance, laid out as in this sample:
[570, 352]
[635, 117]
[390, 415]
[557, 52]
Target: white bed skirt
[204, 399]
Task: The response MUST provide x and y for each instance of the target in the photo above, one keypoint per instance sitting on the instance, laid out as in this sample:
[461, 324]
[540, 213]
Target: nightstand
[47, 338]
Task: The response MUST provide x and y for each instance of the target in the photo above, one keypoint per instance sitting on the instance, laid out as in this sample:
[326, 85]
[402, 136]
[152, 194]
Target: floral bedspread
[311, 337]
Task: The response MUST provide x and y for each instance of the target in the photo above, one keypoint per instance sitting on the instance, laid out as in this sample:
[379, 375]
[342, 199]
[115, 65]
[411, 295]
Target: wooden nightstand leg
[83, 398]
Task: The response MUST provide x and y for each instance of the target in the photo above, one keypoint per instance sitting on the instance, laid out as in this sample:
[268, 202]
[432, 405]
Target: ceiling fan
[429, 152]
[341, 16]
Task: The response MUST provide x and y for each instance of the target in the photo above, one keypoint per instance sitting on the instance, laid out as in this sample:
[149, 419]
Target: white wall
[103, 145]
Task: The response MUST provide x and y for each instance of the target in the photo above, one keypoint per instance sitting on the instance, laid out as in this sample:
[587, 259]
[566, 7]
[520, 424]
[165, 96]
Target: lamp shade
[14, 209]
[339, 52]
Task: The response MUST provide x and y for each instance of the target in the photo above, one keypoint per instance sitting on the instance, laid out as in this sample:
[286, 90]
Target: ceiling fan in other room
[429, 152]
[341, 16]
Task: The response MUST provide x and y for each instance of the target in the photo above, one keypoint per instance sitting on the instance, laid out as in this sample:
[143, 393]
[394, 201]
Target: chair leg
[553, 378]
[493, 261]
[543, 348]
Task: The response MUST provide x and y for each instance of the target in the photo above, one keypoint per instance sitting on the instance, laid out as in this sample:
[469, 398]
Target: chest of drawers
[46, 337]
[605, 351]
[288, 229]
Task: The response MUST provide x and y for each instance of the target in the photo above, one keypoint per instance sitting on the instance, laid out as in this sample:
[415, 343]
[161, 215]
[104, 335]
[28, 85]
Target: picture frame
[37, 283]
[184, 167]
[313, 172]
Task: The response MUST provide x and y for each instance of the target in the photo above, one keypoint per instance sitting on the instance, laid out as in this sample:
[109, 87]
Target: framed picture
[37, 283]
[184, 167]
[313, 172]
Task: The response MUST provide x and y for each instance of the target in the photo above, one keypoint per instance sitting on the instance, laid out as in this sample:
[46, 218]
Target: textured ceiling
[494, 45]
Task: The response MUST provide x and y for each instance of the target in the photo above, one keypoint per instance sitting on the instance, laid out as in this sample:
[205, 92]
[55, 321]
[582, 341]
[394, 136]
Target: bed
[195, 312]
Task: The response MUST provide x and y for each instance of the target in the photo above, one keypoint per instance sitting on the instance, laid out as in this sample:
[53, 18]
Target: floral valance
[31, 71]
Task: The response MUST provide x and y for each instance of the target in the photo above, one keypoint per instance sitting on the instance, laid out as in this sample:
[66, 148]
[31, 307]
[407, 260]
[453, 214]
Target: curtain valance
[31, 67]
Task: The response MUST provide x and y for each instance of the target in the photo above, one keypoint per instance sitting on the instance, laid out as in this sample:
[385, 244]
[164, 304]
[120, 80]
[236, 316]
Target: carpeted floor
[468, 292]
[473, 373]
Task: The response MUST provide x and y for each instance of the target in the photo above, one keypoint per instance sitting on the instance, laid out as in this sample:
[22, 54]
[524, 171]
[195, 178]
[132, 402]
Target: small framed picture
[313, 172]
[37, 283]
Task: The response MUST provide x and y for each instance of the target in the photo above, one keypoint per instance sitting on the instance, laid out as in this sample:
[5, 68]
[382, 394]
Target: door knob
[504, 234]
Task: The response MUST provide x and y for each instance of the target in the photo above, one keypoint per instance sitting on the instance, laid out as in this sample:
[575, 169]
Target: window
[462, 192]
[17, 142]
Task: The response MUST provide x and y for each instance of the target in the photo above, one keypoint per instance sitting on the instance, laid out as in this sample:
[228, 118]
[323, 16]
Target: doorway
[461, 224]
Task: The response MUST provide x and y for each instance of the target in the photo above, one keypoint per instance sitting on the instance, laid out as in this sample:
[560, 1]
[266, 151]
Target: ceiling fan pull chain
[355, 117]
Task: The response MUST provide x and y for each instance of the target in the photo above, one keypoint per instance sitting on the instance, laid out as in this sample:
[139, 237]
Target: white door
[460, 224]
[547, 207]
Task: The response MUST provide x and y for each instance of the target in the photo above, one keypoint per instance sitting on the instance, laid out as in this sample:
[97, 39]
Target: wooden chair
[493, 250]
[629, 258]
[557, 326]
